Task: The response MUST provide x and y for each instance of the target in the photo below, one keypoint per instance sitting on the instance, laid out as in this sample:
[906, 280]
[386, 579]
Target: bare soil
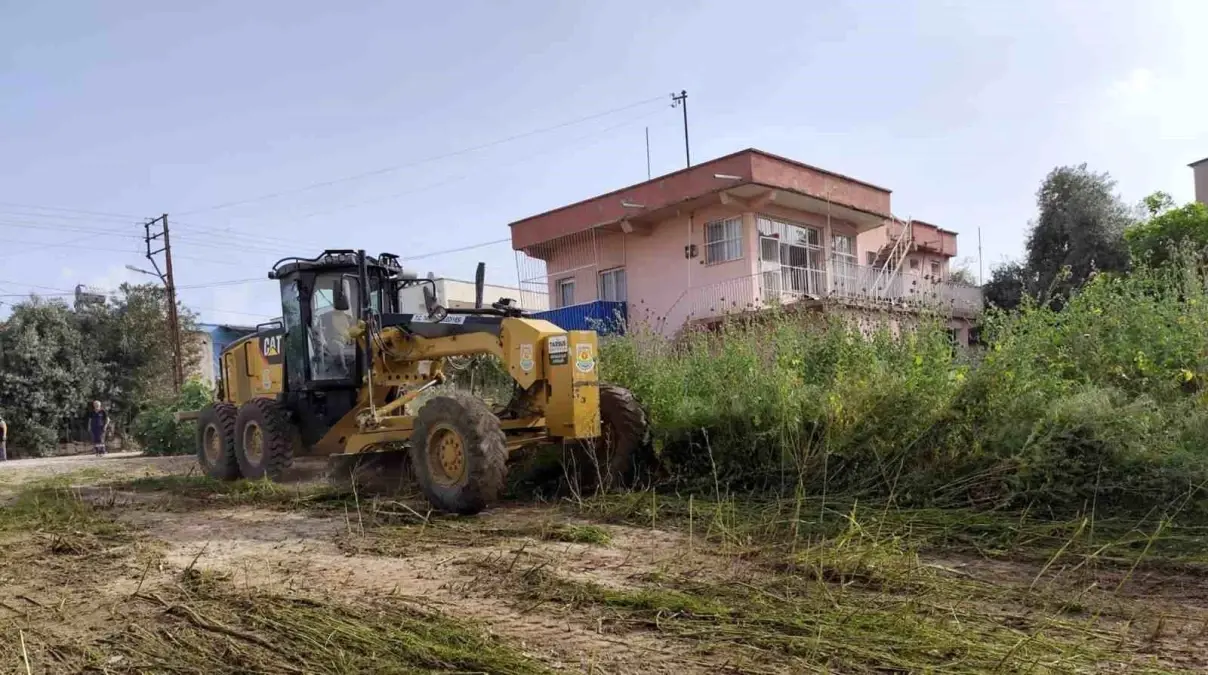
[532, 575]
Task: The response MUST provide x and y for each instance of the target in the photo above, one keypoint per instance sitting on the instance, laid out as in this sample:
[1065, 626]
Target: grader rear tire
[614, 461]
[264, 440]
[216, 441]
[459, 453]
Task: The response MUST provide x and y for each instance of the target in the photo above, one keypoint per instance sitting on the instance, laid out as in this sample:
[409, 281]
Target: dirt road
[132, 564]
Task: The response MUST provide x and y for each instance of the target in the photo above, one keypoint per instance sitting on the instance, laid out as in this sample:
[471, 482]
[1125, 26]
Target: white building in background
[456, 293]
[1201, 180]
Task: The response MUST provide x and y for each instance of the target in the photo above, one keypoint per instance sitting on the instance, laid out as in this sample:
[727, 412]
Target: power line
[432, 158]
[453, 179]
[471, 247]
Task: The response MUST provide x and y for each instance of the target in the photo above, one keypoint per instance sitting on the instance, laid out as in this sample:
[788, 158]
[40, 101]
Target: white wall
[457, 293]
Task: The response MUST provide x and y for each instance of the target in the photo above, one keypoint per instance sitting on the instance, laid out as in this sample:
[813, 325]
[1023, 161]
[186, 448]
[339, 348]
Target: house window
[566, 292]
[843, 248]
[844, 263]
[790, 258]
[612, 285]
[914, 264]
[723, 240]
[935, 271]
[871, 256]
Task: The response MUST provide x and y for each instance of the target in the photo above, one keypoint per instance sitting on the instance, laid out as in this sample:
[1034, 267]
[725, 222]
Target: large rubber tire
[617, 458]
[275, 454]
[216, 441]
[459, 428]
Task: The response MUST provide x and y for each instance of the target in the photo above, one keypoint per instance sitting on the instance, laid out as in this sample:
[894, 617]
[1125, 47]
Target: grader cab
[339, 374]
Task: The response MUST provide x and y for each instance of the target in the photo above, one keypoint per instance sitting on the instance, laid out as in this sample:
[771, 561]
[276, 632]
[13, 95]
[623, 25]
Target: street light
[132, 268]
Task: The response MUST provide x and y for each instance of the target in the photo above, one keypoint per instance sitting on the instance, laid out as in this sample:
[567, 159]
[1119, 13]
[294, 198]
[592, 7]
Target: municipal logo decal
[526, 357]
[585, 359]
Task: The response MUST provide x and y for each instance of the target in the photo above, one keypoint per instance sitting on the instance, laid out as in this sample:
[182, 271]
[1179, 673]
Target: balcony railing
[841, 282]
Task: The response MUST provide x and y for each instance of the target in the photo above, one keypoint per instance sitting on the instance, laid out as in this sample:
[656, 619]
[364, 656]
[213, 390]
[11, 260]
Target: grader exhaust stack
[341, 379]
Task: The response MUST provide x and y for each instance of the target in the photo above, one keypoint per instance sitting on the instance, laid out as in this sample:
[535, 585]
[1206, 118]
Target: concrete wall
[458, 293]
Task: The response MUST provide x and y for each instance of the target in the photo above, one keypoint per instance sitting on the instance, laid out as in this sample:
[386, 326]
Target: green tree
[1167, 229]
[1079, 231]
[1008, 285]
[132, 339]
[45, 375]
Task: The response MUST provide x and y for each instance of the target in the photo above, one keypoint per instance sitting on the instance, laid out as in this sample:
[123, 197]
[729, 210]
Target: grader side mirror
[435, 311]
[339, 298]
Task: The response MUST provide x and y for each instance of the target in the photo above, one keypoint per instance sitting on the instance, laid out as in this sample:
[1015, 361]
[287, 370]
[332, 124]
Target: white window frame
[618, 285]
[730, 230]
[809, 279]
[937, 273]
[562, 284]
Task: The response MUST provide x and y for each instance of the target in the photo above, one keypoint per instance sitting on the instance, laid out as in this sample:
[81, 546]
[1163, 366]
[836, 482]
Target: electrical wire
[425, 160]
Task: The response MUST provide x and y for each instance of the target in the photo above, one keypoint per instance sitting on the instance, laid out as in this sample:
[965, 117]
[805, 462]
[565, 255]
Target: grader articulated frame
[339, 374]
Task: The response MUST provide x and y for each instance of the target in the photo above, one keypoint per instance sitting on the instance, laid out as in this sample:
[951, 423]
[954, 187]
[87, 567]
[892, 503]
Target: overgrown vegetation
[1093, 407]
[158, 432]
[55, 360]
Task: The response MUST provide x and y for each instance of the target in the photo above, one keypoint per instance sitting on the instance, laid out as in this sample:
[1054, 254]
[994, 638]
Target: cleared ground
[127, 564]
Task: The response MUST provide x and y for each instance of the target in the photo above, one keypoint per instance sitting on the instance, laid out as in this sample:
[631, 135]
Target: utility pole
[681, 100]
[647, 153]
[160, 225]
[981, 280]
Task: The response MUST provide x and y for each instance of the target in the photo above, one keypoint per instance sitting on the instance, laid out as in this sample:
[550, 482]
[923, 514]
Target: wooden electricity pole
[157, 229]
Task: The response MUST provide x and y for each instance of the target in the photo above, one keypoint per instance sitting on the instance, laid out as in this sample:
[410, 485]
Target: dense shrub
[1095, 406]
[159, 433]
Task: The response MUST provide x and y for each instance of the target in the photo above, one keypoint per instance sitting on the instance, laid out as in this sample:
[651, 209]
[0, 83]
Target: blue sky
[135, 109]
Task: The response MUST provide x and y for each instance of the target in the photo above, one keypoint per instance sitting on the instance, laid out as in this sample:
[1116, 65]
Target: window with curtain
[612, 285]
[844, 263]
[566, 292]
[723, 240]
[795, 251]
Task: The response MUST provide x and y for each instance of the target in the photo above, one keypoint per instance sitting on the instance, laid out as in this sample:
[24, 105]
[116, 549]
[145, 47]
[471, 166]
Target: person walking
[3, 440]
[98, 424]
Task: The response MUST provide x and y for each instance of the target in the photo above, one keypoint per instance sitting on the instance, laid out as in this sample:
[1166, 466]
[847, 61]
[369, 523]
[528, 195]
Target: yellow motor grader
[338, 374]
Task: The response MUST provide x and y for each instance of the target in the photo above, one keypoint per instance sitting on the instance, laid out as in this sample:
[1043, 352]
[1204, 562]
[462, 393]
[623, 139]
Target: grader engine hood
[537, 350]
[532, 350]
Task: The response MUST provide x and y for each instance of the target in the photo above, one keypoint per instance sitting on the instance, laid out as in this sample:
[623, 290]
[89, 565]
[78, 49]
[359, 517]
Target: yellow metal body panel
[524, 348]
[565, 400]
[573, 406]
[252, 367]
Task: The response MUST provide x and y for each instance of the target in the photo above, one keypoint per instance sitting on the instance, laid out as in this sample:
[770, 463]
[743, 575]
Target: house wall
[770, 170]
[1201, 182]
[662, 284]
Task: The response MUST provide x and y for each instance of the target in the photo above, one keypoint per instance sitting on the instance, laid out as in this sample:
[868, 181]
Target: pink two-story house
[739, 233]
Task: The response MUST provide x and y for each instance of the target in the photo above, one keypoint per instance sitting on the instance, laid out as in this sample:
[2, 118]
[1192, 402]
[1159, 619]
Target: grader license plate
[559, 350]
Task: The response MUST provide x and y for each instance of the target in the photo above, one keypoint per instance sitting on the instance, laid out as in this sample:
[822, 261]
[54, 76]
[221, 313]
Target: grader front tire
[459, 453]
[615, 460]
[264, 440]
[216, 441]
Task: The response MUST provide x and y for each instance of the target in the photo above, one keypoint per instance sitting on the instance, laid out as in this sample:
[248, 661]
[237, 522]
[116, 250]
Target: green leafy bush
[159, 433]
[1093, 406]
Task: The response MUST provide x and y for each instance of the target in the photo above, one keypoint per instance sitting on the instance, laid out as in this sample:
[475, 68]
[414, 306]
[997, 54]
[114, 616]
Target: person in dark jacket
[98, 424]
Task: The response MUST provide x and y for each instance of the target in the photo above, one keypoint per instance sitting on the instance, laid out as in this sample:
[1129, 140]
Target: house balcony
[603, 316]
[839, 283]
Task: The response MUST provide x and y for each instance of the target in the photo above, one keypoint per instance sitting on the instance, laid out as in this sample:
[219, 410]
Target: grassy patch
[212, 627]
[193, 490]
[852, 605]
[783, 526]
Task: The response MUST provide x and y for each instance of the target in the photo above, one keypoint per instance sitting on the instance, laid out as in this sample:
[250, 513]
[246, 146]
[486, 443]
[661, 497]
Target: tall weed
[1093, 406]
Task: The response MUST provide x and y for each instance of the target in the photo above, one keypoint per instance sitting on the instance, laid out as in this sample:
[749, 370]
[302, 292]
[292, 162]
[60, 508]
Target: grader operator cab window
[332, 350]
